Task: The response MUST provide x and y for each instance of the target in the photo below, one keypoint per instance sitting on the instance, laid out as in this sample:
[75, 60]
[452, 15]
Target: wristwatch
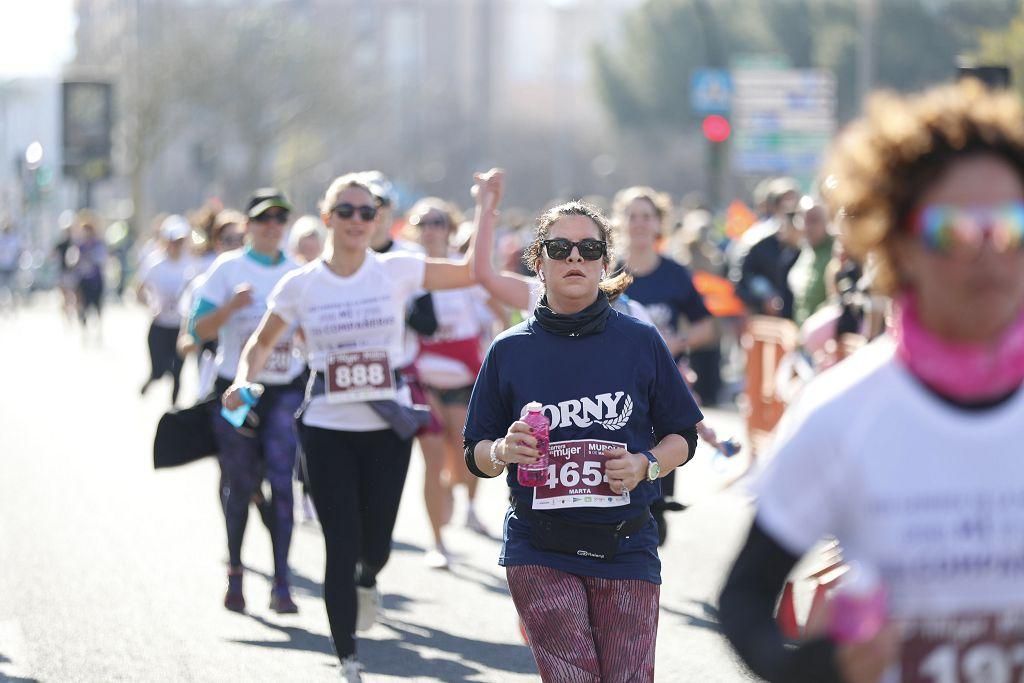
[653, 468]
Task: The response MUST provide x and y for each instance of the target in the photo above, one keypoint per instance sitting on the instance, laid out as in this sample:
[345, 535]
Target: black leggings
[356, 479]
[163, 356]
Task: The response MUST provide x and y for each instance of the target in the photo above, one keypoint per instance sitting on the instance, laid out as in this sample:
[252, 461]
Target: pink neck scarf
[962, 372]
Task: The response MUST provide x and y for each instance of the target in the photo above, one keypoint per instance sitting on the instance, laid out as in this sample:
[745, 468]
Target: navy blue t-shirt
[619, 386]
[668, 292]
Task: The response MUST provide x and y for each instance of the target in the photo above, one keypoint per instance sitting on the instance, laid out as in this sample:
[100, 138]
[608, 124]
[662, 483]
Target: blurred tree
[1005, 46]
[276, 79]
[644, 80]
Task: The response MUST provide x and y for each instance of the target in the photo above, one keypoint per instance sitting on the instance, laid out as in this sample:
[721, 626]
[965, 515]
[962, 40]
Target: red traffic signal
[716, 128]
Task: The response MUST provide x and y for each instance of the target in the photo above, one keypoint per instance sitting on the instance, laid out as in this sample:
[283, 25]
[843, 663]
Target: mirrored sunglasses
[961, 231]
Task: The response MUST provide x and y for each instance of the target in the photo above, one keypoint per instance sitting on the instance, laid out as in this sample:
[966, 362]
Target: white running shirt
[364, 311]
[930, 495]
[230, 270]
[164, 281]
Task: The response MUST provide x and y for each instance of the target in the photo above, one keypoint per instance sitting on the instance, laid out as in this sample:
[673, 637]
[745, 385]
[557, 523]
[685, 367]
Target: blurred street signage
[711, 91]
[783, 119]
[87, 117]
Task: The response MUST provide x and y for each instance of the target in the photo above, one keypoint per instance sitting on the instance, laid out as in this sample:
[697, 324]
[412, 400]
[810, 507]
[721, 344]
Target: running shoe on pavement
[234, 600]
[281, 599]
[351, 670]
[368, 601]
[437, 558]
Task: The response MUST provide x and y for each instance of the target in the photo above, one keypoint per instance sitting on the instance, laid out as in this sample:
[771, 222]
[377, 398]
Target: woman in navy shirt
[581, 551]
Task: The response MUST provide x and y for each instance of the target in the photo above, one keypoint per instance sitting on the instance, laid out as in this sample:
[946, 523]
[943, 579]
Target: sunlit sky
[36, 36]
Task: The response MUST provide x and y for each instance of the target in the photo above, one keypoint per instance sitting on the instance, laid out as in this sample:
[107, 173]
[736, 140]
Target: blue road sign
[711, 91]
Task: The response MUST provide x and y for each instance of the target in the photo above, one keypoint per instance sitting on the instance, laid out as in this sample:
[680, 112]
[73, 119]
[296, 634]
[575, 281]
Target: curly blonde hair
[879, 167]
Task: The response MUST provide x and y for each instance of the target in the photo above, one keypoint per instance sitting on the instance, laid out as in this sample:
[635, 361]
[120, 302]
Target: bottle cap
[533, 407]
[255, 389]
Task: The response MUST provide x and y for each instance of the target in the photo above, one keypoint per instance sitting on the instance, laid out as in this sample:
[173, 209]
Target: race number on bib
[577, 478]
[964, 649]
[280, 361]
[359, 376]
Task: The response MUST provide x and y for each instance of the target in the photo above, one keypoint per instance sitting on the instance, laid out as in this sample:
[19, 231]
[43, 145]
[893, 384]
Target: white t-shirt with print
[230, 270]
[164, 281]
[364, 311]
[930, 495]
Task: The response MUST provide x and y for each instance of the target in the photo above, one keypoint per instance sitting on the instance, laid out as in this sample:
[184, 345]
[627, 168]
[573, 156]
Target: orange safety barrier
[719, 295]
[766, 340]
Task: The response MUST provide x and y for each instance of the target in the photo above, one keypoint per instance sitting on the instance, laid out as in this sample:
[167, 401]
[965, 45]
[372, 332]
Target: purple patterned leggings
[245, 461]
[587, 630]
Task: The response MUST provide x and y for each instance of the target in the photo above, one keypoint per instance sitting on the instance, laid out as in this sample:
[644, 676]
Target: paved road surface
[110, 571]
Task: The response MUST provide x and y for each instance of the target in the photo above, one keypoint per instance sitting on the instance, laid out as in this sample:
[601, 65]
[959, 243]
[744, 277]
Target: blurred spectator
[89, 268]
[63, 252]
[306, 239]
[767, 251]
[11, 248]
[694, 244]
[807, 277]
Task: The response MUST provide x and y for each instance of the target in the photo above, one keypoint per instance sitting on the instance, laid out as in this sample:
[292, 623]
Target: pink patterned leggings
[587, 630]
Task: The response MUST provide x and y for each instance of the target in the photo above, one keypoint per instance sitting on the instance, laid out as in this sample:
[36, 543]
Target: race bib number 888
[359, 376]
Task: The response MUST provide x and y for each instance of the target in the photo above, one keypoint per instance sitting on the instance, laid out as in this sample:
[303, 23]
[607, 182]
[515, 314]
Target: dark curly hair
[881, 164]
[612, 286]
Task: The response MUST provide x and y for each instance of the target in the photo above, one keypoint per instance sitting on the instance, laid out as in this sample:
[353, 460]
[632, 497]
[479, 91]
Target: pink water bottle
[858, 609]
[537, 473]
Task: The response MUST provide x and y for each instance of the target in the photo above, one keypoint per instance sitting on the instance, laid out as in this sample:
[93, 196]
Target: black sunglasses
[267, 216]
[560, 249]
[346, 211]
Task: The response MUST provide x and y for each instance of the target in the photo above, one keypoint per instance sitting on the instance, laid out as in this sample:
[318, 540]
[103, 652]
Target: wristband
[494, 454]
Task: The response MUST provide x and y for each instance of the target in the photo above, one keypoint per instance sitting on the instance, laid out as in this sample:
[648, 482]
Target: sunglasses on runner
[276, 216]
[961, 231]
[590, 249]
[424, 222]
[231, 240]
[346, 211]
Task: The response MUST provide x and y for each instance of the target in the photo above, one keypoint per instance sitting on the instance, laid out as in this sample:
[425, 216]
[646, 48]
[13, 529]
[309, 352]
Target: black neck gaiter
[590, 320]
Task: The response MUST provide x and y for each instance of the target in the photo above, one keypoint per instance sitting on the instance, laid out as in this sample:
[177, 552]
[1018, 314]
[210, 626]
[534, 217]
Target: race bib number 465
[964, 649]
[359, 376]
[577, 478]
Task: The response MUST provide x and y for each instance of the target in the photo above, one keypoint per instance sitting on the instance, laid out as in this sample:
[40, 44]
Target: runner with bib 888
[357, 423]
[909, 451]
[581, 550]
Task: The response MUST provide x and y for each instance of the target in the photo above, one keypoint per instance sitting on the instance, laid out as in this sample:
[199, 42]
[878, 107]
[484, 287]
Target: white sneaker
[368, 604]
[351, 670]
[308, 511]
[437, 558]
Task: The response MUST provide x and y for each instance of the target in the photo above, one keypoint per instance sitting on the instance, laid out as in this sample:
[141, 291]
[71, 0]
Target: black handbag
[184, 436]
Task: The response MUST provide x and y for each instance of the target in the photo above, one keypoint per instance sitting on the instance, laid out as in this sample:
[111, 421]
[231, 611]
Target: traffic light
[716, 128]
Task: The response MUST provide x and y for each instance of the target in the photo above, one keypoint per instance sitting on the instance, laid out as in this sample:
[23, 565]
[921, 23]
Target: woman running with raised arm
[358, 421]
